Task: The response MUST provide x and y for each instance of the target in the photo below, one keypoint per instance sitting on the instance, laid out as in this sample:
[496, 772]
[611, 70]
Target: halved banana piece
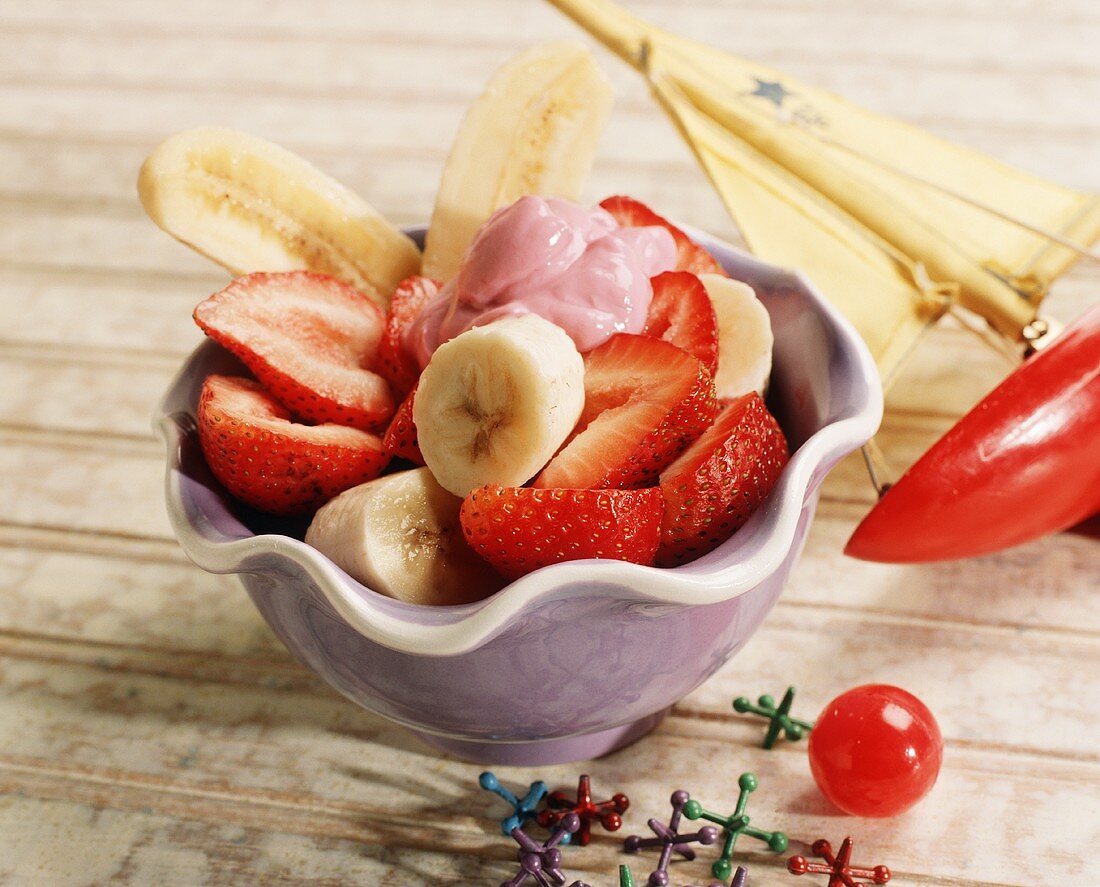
[532, 131]
[400, 535]
[495, 403]
[251, 205]
[744, 337]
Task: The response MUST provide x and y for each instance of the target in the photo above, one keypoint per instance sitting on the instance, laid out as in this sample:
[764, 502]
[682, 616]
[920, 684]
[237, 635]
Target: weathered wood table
[153, 731]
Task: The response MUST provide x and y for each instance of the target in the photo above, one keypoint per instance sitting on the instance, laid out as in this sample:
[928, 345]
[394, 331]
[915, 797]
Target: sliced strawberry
[394, 362]
[631, 213]
[310, 340]
[644, 401]
[271, 463]
[681, 313]
[400, 439]
[519, 529]
[720, 480]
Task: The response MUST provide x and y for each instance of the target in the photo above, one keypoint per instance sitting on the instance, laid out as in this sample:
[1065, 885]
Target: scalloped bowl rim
[455, 630]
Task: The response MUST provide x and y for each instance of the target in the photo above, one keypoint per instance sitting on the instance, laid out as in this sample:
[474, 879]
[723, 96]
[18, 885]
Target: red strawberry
[720, 480]
[407, 301]
[309, 339]
[644, 401]
[631, 213]
[519, 529]
[681, 313]
[400, 439]
[271, 463]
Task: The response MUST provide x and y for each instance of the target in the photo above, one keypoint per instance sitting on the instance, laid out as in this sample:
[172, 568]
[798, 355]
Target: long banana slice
[744, 337]
[495, 403]
[400, 535]
[252, 206]
[532, 131]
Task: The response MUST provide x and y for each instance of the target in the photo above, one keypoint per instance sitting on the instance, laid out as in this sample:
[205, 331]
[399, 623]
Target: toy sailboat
[898, 227]
[894, 225]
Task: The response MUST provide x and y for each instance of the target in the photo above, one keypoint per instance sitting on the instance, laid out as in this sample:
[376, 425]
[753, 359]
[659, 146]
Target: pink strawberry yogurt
[572, 266]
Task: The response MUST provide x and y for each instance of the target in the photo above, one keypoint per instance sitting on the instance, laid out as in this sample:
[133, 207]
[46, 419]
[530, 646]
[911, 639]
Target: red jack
[839, 868]
[606, 813]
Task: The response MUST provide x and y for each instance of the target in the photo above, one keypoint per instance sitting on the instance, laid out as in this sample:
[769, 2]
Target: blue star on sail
[773, 91]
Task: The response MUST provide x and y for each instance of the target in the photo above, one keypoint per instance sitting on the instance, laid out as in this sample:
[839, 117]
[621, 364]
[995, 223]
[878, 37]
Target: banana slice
[400, 535]
[744, 337]
[252, 206]
[532, 131]
[495, 403]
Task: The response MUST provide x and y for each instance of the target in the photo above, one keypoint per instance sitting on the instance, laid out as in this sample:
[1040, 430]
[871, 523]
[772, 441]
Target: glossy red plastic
[1023, 463]
[875, 751]
[606, 813]
[839, 868]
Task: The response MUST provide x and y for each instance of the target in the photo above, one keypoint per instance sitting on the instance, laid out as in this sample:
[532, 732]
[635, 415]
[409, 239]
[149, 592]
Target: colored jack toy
[735, 825]
[522, 808]
[542, 862]
[779, 716]
[839, 868]
[670, 840]
[740, 878]
[606, 813]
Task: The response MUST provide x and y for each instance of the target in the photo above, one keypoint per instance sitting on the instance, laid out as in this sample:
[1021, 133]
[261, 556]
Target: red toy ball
[875, 751]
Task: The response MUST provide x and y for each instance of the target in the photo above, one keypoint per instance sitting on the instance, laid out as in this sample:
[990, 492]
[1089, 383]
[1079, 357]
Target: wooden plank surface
[153, 730]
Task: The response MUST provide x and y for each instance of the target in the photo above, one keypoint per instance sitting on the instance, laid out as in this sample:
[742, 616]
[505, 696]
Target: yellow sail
[893, 224]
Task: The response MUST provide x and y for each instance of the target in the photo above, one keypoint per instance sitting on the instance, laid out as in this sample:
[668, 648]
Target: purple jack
[670, 840]
[542, 862]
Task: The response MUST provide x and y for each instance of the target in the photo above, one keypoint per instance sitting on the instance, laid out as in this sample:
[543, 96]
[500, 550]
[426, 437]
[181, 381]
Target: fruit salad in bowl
[520, 484]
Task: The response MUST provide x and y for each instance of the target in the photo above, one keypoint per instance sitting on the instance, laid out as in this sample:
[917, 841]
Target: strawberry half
[310, 339]
[394, 362]
[519, 529]
[681, 313]
[644, 401]
[400, 438]
[271, 463]
[631, 213]
[720, 480]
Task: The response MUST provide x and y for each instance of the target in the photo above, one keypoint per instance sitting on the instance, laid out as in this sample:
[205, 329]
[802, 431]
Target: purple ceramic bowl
[576, 659]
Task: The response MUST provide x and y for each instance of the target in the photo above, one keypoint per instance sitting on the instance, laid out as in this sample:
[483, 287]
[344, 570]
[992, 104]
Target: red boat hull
[1023, 463]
